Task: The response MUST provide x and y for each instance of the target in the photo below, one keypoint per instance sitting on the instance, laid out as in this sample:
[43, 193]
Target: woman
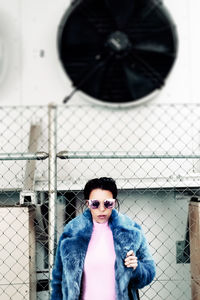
[102, 254]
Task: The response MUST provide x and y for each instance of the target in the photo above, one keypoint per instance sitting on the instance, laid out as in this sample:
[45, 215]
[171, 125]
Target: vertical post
[28, 191]
[31, 164]
[194, 230]
[32, 254]
[52, 128]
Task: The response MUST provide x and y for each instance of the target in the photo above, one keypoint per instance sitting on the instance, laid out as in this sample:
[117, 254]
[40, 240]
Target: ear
[87, 204]
[116, 204]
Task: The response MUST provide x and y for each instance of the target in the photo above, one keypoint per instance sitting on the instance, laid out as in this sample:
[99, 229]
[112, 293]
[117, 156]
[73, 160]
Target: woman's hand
[131, 260]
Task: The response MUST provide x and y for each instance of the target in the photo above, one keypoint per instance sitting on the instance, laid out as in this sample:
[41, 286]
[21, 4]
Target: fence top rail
[74, 104]
[97, 155]
[123, 155]
[24, 156]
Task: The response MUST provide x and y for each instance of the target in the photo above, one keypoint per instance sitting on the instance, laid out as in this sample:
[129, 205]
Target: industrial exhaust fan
[117, 52]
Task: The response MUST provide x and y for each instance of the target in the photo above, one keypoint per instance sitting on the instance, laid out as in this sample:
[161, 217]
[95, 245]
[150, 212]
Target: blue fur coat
[72, 248]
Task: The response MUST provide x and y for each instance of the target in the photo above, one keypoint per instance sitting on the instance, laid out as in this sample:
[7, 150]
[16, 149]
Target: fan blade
[90, 80]
[153, 47]
[121, 11]
[97, 17]
[139, 82]
[80, 53]
[75, 36]
[162, 40]
[158, 64]
[92, 86]
[78, 47]
[93, 77]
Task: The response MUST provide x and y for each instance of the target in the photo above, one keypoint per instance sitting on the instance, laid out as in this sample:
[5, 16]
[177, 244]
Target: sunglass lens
[95, 204]
[108, 204]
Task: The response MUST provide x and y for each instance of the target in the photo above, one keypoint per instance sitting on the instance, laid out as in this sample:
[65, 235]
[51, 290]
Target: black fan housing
[117, 51]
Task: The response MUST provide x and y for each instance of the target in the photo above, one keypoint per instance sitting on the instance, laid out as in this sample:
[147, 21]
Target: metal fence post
[52, 182]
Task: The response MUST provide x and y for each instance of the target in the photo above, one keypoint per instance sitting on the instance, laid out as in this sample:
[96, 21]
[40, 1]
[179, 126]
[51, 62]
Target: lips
[101, 216]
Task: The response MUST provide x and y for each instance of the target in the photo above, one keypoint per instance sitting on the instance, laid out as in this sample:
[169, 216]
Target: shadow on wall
[10, 43]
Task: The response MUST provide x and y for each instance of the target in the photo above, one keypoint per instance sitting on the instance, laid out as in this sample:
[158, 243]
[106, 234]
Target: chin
[101, 219]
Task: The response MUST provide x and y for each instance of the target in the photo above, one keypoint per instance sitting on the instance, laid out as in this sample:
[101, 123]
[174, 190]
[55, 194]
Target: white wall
[34, 75]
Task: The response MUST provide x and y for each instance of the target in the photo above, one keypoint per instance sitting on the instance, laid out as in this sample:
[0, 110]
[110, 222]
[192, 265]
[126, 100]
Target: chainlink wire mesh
[48, 154]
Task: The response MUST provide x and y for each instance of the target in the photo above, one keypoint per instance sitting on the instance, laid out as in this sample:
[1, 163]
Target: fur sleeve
[145, 271]
[56, 283]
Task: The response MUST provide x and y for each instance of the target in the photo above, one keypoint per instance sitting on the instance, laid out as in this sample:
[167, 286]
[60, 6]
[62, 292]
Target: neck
[99, 224]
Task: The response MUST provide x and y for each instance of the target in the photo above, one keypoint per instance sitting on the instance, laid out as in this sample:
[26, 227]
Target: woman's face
[100, 214]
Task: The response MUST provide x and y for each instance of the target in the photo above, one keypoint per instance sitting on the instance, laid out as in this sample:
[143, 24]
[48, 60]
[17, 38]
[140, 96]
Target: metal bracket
[27, 197]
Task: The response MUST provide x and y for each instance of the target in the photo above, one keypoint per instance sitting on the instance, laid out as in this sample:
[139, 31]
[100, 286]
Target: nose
[101, 206]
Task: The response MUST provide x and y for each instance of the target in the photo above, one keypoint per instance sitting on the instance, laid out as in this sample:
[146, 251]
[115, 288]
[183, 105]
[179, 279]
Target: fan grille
[114, 59]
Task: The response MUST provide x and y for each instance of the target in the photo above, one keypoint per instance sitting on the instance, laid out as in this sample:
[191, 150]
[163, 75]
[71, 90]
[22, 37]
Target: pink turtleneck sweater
[99, 272]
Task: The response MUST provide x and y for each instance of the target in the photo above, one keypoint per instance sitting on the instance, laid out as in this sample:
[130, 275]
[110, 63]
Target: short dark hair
[104, 183]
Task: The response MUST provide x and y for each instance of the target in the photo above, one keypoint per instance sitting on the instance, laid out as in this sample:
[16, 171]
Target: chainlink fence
[48, 153]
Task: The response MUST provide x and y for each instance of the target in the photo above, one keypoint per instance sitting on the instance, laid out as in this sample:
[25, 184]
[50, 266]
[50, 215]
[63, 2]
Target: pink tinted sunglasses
[108, 203]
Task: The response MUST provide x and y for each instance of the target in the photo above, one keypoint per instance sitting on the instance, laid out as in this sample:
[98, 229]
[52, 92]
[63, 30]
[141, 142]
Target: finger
[130, 252]
[130, 259]
[132, 265]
